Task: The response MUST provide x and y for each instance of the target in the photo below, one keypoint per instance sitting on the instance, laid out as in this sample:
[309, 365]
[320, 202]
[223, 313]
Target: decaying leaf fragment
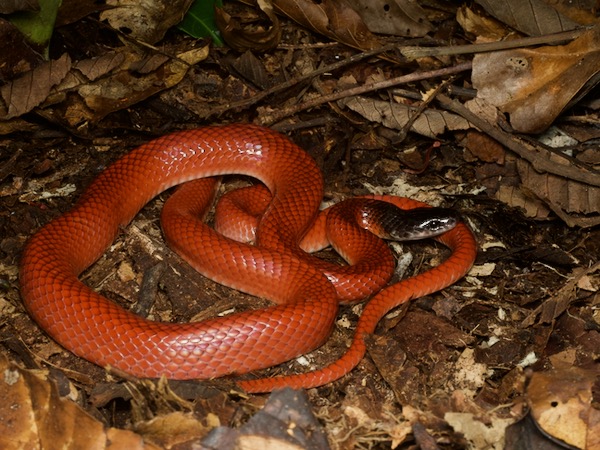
[575, 202]
[148, 20]
[398, 17]
[242, 39]
[561, 405]
[431, 123]
[534, 86]
[532, 17]
[332, 18]
[116, 81]
[32, 88]
[35, 416]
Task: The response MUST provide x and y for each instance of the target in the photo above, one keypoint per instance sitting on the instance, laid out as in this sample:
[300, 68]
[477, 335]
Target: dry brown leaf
[575, 202]
[484, 147]
[35, 416]
[556, 305]
[95, 68]
[118, 81]
[561, 405]
[396, 17]
[146, 21]
[286, 422]
[28, 91]
[10, 6]
[515, 197]
[332, 18]
[535, 85]
[430, 123]
[172, 429]
[532, 17]
[485, 28]
[478, 432]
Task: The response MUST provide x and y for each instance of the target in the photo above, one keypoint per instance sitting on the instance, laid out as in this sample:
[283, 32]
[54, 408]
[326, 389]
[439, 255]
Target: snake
[274, 266]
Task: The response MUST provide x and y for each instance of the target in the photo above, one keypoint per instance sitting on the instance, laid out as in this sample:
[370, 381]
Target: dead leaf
[8, 7]
[332, 18]
[534, 86]
[95, 68]
[575, 202]
[285, 422]
[146, 21]
[430, 123]
[484, 148]
[478, 433]
[485, 28]
[561, 405]
[553, 307]
[516, 198]
[532, 17]
[35, 416]
[118, 80]
[172, 429]
[397, 18]
[243, 38]
[28, 91]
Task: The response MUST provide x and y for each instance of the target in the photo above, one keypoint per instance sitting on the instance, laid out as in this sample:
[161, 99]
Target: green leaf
[199, 22]
[37, 26]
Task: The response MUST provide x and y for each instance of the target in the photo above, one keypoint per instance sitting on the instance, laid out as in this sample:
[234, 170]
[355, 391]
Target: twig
[411, 52]
[420, 109]
[294, 81]
[529, 151]
[358, 90]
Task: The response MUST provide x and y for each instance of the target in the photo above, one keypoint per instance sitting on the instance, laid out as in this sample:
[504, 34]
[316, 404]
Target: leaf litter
[480, 365]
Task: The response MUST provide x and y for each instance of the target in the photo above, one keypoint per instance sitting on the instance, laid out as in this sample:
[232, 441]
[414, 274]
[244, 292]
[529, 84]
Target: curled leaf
[332, 18]
[535, 85]
[242, 39]
[146, 21]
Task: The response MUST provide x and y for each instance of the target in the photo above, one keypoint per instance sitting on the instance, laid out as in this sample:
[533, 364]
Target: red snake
[102, 332]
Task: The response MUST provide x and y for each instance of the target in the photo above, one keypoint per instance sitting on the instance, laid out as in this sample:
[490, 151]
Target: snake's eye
[439, 224]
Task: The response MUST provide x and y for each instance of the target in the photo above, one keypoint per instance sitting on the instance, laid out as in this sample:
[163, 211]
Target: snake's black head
[422, 223]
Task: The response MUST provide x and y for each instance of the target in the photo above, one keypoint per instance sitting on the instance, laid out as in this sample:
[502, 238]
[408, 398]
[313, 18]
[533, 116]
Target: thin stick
[412, 52]
[358, 90]
[294, 81]
[529, 151]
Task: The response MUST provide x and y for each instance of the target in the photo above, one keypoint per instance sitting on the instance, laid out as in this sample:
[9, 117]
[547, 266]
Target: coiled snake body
[102, 332]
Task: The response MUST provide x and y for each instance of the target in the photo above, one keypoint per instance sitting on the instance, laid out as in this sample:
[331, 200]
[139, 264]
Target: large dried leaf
[147, 21]
[580, 279]
[133, 80]
[332, 18]
[35, 416]
[28, 91]
[561, 404]
[396, 17]
[575, 202]
[532, 17]
[430, 123]
[98, 86]
[535, 85]
[486, 28]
